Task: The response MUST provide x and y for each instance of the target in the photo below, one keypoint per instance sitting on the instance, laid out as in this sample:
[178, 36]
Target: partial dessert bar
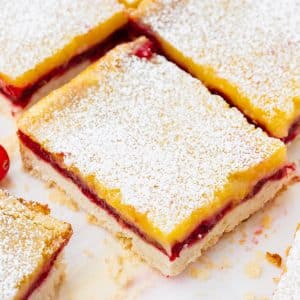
[31, 249]
[146, 149]
[247, 51]
[39, 38]
[289, 285]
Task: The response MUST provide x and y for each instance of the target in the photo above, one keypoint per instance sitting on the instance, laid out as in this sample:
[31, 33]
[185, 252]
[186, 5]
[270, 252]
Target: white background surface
[98, 267]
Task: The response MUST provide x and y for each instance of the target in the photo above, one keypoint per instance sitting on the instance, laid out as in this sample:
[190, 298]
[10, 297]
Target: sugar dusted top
[153, 137]
[254, 45]
[289, 285]
[28, 237]
[33, 30]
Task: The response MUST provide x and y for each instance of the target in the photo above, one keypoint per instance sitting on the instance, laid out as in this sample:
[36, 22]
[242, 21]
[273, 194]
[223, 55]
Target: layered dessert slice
[39, 39]
[247, 51]
[31, 249]
[289, 285]
[146, 149]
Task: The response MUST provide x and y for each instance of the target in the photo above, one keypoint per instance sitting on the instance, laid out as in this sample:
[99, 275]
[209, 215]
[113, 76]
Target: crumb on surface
[259, 255]
[249, 296]
[276, 280]
[253, 269]
[117, 269]
[88, 253]
[199, 273]
[123, 267]
[252, 296]
[224, 264]
[132, 294]
[125, 241]
[60, 197]
[91, 219]
[126, 270]
[266, 221]
[243, 239]
[206, 262]
[274, 259]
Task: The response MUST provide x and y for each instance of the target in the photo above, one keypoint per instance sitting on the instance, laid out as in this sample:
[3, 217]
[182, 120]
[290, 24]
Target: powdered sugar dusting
[33, 30]
[27, 240]
[157, 134]
[255, 45]
[289, 285]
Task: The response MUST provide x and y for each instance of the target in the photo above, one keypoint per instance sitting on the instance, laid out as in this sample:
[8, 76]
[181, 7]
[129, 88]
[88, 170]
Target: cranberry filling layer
[45, 272]
[21, 96]
[199, 232]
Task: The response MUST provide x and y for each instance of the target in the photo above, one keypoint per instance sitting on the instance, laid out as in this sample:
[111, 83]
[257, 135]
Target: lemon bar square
[149, 152]
[247, 51]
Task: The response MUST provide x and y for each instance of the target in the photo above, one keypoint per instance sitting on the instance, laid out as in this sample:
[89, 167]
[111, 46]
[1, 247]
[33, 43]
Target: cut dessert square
[38, 39]
[247, 51]
[146, 149]
[31, 245]
[289, 285]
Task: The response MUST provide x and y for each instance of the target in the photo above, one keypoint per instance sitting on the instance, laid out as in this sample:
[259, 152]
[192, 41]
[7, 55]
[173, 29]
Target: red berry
[145, 50]
[4, 162]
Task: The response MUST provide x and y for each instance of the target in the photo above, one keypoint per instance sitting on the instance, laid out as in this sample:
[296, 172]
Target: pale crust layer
[150, 254]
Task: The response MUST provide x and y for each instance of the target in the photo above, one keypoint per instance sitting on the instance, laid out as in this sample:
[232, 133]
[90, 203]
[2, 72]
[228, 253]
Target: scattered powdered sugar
[154, 132]
[289, 284]
[27, 239]
[33, 30]
[255, 45]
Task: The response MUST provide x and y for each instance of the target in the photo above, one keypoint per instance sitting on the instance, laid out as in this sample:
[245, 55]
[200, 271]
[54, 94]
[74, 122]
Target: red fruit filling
[199, 232]
[145, 50]
[4, 162]
[21, 96]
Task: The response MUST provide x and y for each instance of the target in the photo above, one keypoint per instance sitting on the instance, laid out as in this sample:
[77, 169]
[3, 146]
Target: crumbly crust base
[150, 254]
